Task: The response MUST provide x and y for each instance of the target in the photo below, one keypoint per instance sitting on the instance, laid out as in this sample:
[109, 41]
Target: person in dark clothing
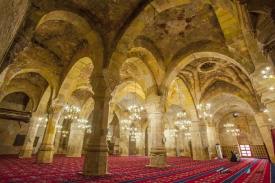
[233, 157]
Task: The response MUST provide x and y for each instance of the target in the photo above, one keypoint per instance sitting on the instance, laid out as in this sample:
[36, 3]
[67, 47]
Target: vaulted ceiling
[162, 41]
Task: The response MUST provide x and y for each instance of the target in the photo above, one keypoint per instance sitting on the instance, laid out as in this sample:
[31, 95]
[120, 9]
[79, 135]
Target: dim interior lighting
[173, 133]
[182, 121]
[188, 135]
[42, 122]
[267, 73]
[232, 129]
[59, 127]
[64, 133]
[204, 111]
[125, 123]
[72, 112]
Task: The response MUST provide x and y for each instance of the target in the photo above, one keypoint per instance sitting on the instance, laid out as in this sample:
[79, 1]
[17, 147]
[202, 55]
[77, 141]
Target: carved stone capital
[55, 107]
[155, 105]
[268, 48]
[103, 82]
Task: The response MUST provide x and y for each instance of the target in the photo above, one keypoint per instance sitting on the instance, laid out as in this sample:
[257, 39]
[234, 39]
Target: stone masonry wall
[11, 15]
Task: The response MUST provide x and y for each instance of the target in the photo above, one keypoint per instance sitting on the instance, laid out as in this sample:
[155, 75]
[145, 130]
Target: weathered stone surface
[12, 16]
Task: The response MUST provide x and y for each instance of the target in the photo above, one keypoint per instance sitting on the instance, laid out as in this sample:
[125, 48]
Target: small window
[35, 141]
[245, 150]
[19, 140]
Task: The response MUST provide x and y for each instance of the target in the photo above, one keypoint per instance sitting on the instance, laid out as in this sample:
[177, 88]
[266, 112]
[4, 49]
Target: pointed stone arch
[215, 89]
[225, 17]
[182, 62]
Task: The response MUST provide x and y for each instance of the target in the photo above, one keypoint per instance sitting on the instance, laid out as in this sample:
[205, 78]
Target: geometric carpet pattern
[132, 169]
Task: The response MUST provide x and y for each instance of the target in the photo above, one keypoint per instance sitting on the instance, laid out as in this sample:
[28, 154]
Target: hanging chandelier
[182, 121]
[72, 112]
[125, 123]
[173, 133]
[82, 123]
[42, 122]
[232, 129]
[59, 127]
[133, 133]
[204, 111]
[137, 135]
[188, 135]
[89, 129]
[267, 73]
[135, 112]
[64, 133]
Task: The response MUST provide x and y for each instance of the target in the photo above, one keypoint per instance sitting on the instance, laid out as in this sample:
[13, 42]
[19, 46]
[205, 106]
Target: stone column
[96, 158]
[213, 139]
[271, 107]
[27, 148]
[265, 126]
[116, 146]
[124, 143]
[46, 151]
[158, 153]
[75, 142]
[65, 140]
[199, 141]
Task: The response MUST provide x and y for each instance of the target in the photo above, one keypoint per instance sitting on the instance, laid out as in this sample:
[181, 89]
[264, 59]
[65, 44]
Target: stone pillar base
[158, 158]
[73, 155]
[25, 153]
[45, 155]
[95, 163]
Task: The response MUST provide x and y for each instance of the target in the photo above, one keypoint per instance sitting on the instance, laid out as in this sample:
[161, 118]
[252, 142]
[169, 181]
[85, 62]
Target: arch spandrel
[77, 77]
[31, 95]
[127, 87]
[26, 61]
[181, 63]
[93, 38]
[185, 100]
[223, 87]
[147, 16]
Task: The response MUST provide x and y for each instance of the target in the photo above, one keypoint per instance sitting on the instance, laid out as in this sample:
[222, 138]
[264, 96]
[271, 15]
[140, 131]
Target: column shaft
[26, 150]
[46, 151]
[199, 141]
[265, 127]
[75, 142]
[158, 156]
[96, 158]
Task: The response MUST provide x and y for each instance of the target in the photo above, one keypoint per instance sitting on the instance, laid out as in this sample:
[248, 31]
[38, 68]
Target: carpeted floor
[132, 169]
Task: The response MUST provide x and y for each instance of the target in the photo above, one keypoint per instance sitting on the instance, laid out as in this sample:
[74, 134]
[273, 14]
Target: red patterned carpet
[132, 169]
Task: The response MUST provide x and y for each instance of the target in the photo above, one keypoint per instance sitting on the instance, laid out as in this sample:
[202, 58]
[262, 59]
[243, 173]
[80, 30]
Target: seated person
[233, 157]
[238, 157]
